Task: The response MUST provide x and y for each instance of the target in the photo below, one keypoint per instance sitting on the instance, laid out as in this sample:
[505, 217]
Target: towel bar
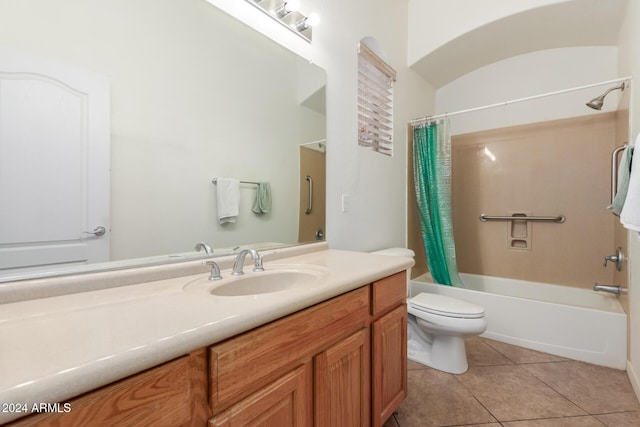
[614, 170]
[558, 219]
[215, 181]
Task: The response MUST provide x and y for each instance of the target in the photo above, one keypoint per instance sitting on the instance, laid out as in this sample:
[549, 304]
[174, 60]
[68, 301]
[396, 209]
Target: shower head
[598, 102]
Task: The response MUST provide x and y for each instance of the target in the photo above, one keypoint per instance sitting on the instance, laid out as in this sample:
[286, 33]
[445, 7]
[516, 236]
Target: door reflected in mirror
[312, 191]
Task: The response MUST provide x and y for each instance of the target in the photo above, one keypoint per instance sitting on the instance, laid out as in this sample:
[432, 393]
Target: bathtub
[575, 323]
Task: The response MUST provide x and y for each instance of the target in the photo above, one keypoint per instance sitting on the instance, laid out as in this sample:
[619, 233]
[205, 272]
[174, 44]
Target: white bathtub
[570, 322]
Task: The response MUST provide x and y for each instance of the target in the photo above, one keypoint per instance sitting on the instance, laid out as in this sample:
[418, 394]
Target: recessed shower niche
[519, 231]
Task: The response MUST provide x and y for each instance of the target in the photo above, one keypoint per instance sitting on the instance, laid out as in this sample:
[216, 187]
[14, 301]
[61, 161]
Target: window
[375, 101]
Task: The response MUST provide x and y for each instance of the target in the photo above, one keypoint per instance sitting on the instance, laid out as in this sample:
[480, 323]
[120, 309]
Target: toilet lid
[443, 305]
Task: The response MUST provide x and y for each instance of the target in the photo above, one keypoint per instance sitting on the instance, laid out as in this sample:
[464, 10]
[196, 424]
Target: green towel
[624, 172]
[262, 204]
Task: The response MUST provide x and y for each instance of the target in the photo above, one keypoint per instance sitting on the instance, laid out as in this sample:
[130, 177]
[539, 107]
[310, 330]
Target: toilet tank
[402, 252]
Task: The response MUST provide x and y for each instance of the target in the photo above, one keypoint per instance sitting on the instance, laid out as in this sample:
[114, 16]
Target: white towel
[228, 197]
[630, 215]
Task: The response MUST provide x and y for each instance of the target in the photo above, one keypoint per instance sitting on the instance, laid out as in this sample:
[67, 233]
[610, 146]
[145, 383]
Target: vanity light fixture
[287, 13]
[287, 7]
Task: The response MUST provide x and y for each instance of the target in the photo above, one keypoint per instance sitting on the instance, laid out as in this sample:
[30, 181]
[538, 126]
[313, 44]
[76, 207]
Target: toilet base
[445, 353]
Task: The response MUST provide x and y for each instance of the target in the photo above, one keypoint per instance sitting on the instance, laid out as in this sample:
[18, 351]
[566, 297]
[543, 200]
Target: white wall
[629, 63]
[529, 75]
[375, 184]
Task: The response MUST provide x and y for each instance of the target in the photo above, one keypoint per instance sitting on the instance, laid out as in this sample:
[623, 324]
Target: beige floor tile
[585, 421]
[481, 425]
[436, 398]
[510, 393]
[595, 389]
[521, 354]
[480, 353]
[620, 419]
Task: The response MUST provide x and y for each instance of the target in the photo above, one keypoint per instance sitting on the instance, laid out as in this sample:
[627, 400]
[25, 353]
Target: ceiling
[568, 24]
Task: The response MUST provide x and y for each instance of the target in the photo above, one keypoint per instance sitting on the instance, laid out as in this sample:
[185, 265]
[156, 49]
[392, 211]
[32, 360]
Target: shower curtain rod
[426, 119]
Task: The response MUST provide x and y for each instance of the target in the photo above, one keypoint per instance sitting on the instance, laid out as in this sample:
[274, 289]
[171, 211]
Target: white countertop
[52, 349]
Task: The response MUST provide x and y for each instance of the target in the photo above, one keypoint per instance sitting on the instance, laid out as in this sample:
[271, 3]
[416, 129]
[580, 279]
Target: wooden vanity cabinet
[285, 402]
[331, 338]
[355, 344]
[388, 347]
[342, 362]
[342, 383]
[172, 394]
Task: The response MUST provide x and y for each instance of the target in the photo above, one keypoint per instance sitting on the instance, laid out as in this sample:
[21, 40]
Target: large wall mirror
[188, 93]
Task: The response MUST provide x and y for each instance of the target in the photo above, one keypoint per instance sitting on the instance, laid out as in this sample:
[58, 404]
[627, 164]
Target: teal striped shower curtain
[432, 181]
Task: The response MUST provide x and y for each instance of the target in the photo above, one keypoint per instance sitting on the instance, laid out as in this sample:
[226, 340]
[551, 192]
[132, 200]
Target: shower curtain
[432, 181]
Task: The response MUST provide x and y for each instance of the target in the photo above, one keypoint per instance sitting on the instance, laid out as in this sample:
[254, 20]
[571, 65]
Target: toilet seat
[442, 305]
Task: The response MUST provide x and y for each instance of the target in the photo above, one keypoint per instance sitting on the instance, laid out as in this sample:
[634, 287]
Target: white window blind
[375, 101]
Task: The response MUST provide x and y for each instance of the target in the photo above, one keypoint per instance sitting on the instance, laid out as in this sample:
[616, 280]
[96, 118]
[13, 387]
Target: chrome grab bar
[310, 181]
[558, 219]
[614, 171]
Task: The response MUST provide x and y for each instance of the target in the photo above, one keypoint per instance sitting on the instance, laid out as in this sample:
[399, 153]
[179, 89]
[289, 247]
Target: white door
[54, 164]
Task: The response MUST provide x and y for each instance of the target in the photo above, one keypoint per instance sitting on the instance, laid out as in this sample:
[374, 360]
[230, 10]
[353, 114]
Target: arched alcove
[564, 24]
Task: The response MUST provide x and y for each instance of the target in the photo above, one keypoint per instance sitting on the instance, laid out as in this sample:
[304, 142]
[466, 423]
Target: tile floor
[515, 387]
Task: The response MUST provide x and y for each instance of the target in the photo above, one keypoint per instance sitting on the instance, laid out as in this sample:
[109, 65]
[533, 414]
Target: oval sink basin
[273, 279]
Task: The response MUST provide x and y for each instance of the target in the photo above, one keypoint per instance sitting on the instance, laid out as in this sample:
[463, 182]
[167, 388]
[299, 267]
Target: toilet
[438, 326]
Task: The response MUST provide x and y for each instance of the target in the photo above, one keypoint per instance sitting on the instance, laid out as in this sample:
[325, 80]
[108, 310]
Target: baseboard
[634, 379]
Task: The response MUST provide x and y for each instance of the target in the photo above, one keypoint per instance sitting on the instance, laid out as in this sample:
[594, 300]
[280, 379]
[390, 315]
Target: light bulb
[287, 7]
[307, 22]
[293, 5]
[313, 19]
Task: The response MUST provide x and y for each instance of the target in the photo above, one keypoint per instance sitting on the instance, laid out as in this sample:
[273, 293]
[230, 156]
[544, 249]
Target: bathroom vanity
[332, 353]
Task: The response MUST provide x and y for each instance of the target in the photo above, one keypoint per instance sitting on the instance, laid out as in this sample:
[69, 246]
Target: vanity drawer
[243, 364]
[388, 293]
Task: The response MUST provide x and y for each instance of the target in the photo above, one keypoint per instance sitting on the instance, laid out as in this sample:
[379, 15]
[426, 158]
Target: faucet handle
[617, 258]
[215, 270]
[257, 265]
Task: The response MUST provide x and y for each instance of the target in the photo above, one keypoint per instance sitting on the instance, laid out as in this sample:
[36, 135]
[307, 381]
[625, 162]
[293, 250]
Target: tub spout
[614, 289]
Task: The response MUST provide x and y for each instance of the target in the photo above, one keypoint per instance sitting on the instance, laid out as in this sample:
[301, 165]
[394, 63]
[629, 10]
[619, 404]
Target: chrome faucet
[215, 270]
[203, 245]
[239, 263]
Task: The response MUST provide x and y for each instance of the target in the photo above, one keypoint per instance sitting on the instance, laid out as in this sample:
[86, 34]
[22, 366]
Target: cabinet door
[172, 394]
[283, 403]
[341, 383]
[246, 363]
[389, 359]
